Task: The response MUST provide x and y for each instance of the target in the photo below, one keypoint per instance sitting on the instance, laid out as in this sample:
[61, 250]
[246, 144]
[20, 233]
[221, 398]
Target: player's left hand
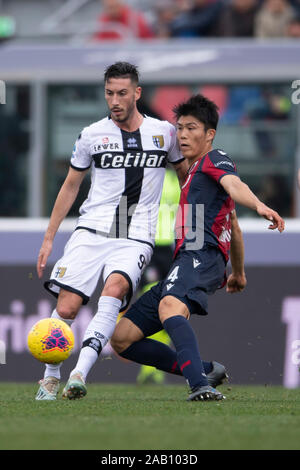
[44, 254]
[273, 216]
[236, 283]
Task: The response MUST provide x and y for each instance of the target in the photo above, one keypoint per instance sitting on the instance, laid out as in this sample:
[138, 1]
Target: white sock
[97, 334]
[53, 370]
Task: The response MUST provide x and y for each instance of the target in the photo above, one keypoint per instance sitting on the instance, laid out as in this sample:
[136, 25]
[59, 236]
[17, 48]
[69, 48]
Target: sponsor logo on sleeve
[225, 162]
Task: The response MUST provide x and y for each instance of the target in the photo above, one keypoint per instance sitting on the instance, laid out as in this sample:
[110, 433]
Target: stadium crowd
[165, 19]
[202, 18]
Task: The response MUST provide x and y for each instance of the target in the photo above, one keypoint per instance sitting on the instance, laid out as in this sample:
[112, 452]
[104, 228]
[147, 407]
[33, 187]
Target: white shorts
[89, 256]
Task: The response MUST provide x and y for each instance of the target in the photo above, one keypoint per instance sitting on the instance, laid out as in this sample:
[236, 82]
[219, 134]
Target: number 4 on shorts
[174, 274]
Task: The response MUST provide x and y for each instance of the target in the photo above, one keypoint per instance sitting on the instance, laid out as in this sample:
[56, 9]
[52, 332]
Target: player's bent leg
[115, 286]
[97, 334]
[170, 306]
[68, 305]
[102, 326]
[128, 340]
[126, 333]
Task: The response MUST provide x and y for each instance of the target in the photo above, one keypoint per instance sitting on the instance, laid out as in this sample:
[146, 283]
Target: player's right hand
[44, 254]
[236, 283]
[273, 216]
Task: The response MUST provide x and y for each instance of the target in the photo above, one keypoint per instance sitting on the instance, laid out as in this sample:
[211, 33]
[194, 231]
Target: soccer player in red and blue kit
[207, 233]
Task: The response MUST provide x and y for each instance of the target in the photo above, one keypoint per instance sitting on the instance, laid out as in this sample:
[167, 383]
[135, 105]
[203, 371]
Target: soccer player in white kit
[115, 232]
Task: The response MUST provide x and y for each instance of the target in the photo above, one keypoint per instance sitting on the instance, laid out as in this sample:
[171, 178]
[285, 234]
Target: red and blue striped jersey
[202, 188]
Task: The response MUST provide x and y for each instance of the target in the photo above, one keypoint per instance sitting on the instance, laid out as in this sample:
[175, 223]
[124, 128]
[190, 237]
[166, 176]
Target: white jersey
[127, 173]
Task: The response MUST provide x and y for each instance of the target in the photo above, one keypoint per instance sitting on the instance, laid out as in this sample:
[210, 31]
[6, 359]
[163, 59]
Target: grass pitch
[150, 418]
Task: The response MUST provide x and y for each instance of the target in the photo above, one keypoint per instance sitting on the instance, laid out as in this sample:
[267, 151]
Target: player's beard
[128, 115]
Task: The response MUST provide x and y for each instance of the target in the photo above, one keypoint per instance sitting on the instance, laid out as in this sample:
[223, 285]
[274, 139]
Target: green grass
[150, 418]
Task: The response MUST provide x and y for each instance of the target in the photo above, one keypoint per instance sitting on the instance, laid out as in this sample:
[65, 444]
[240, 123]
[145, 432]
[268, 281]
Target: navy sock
[156, 354]
[153, 353]
[186, 345]
[207, 366]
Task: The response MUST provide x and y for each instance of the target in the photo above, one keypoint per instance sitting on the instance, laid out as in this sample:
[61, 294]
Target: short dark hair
[201, 108]
[122, 70]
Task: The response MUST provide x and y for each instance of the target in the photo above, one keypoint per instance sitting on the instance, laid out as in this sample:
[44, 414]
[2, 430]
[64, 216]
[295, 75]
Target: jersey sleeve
[217, 164]
[174, 154]
[81, 157]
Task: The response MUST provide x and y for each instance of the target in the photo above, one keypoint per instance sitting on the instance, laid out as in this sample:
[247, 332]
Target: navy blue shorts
[192, 277]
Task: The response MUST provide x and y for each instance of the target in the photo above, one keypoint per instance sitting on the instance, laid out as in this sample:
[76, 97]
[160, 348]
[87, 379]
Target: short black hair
[201, 108]
[122, 70]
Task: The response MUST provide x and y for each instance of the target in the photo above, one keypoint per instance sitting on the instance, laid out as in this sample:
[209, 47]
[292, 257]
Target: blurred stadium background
[242, 54]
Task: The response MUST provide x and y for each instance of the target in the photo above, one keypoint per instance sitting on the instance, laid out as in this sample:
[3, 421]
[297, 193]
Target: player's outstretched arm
[242, 194]
[237, 280]
[63, 204]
